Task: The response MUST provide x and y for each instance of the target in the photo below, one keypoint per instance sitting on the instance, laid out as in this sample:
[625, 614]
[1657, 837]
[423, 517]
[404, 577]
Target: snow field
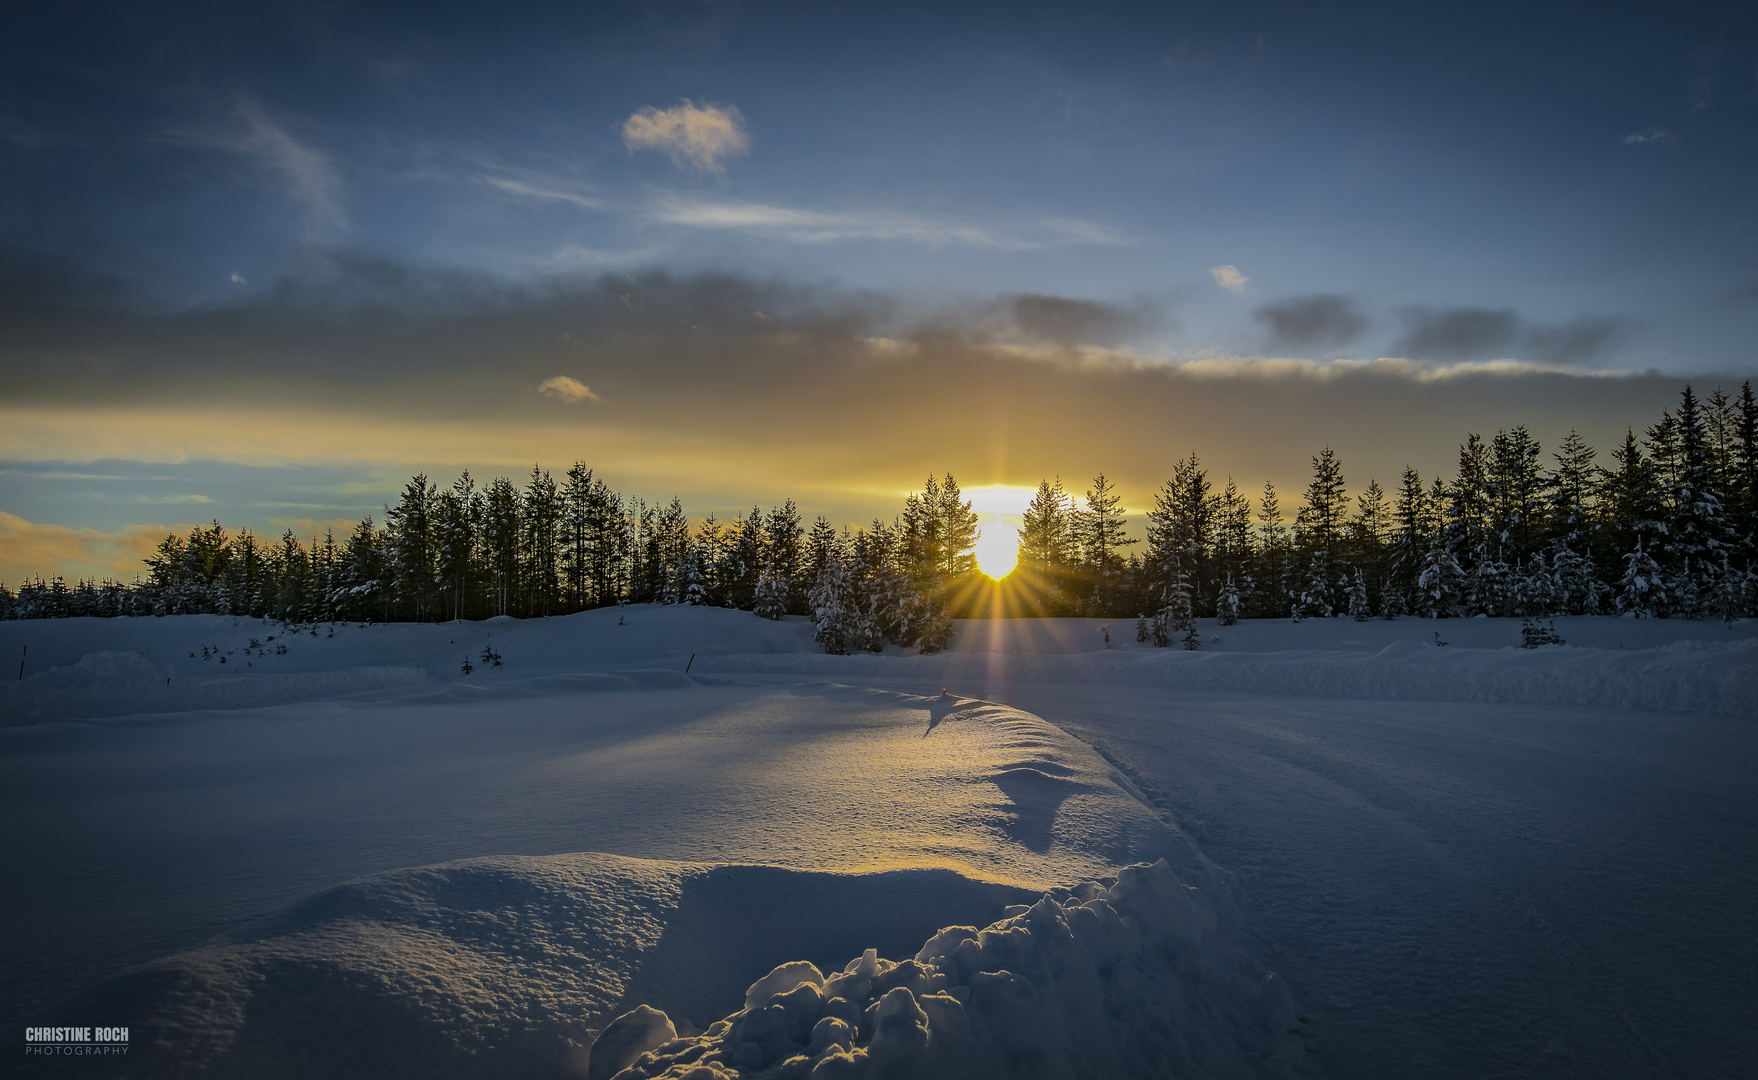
[534, 850]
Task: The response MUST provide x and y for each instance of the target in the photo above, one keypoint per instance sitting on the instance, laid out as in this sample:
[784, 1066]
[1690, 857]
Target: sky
[261, 263]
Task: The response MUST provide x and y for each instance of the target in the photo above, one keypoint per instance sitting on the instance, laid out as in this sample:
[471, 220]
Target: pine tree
[1047, 550]
[1228, 605]
[1359, 609]
[1271, 594]
[771, 596]
[1640, 593]
[1518, 492]
[1440, 584]
[831, 608]
[787, 554]
[1099, 528]
[1319, 528]
[1573, 487]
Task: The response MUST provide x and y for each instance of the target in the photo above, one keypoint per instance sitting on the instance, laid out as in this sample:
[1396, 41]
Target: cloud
[565, 389]
[700, 137]
[1323, 320]
[409, 369]
[238, 279]
[1469, 333]
[1460, 333]
[1228, 277]
[1648, 137]
[1574, 342]
[30, 548]
[819, 227]
[530, 191]
[1062, 321]
[306, 174]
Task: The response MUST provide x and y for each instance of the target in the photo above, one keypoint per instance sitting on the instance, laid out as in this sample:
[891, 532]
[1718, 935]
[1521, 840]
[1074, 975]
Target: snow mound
[1101, 980]
[501, 966]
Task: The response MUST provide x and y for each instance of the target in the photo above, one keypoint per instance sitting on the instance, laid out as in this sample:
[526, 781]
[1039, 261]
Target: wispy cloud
[306, 174]
[817, 227]
[563, 388]
[532, 191]
[702, 138]
[1228, 277]
[1649, 137]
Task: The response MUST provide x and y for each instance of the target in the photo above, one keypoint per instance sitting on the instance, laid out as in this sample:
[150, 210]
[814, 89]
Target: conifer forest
[1661, 526]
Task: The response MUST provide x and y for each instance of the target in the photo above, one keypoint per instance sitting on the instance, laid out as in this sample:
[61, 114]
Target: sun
[997, 548]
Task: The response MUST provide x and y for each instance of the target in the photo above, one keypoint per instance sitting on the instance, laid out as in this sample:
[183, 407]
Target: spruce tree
[1100, 530]
[1641, 594]
[1319, 530]
[1359, 609]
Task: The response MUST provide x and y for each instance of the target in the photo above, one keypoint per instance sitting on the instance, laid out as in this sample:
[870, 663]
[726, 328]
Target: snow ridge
[1102, 980]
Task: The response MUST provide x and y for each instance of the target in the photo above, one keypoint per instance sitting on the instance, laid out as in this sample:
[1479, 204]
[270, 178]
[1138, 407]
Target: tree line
[1664, 527]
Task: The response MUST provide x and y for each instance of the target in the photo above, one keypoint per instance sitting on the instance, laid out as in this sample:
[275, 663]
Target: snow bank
[122, 683]
[1114, 980]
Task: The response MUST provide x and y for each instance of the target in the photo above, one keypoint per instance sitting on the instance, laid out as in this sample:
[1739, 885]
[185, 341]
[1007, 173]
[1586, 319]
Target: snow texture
[1109, 979]
[335, 854]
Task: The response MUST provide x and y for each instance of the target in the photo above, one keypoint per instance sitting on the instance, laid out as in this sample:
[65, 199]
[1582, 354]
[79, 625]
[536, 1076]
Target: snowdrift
[503, 966]
[1104, 980]
[514, 966]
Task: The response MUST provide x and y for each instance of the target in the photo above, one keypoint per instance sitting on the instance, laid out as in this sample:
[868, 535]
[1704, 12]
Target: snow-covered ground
[351, 858]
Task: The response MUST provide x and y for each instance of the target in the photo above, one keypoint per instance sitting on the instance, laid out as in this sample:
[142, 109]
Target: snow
[352, 859]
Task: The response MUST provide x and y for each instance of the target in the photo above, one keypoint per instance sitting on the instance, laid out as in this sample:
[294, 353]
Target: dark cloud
[1061, 321]
[1449, 335]
[1453, 334]
[1575, 342]
[1321, 321]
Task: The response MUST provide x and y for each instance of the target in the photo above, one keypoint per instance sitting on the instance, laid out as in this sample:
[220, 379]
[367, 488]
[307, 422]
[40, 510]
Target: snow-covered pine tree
[831, 609]
[1392, 605]
[1491, 591]
[1141, 629]
[1641, 594]
[771, 596]
[1314, 600]
[1228, 604]
[1440, 584]
[1359, 609]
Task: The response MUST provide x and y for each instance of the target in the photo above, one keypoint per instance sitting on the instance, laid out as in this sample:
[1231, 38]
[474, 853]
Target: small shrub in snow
[1533, 634]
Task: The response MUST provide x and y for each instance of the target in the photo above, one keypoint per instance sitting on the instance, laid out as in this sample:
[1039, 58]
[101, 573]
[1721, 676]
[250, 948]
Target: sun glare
[997, 548]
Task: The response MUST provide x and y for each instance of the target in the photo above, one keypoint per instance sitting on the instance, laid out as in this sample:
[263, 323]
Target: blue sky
[305, 226]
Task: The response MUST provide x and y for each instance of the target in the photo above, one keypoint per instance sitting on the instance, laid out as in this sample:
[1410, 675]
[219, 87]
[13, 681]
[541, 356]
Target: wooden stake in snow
[692, 661]
[21, 656]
